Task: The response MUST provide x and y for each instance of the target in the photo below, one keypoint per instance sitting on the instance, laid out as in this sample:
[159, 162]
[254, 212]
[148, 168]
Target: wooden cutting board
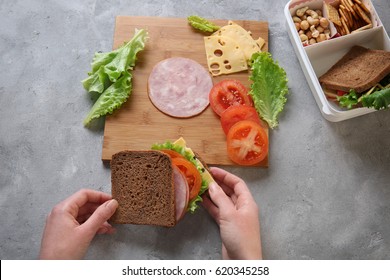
[138, 124]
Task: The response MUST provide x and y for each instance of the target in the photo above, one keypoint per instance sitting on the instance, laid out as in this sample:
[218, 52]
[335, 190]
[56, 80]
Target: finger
[80, 198]
[218, 196]
[111, 230]
[225, 177]
[106, 228]
[100, 216]
[211, 208]
[102, 230]
[231, 181]
[229, 192]
[86, 211]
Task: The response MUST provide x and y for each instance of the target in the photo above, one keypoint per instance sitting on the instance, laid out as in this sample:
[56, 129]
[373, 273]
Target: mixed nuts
[312, 27]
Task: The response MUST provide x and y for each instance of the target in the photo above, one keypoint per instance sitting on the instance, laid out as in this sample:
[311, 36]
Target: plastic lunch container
[316, 59]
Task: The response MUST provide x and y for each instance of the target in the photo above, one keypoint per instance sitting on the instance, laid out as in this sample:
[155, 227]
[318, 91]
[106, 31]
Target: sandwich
[158, 186]
[360, 76]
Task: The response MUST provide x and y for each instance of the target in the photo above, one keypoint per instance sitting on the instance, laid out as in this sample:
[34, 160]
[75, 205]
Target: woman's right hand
[235, 211]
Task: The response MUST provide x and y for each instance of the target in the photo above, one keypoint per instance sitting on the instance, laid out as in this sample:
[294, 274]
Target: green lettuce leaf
[349, 100]
[108, 67]
[112, 98]
[97, 82]
[202, 24]
[110, 76]
[379, 99]
[193, 205]
[268, 88]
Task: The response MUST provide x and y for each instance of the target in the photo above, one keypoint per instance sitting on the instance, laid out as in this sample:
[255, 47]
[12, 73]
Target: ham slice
[181, 193]
[179, 87]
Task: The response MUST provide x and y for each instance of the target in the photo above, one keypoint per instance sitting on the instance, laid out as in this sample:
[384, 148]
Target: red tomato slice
[192, 175]
[227, 93]
[247, 143]
[341, 92]
[237, 113]
[172, 154]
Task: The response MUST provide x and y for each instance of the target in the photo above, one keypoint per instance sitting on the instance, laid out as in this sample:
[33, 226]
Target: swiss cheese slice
[224, 55]
[242, 37]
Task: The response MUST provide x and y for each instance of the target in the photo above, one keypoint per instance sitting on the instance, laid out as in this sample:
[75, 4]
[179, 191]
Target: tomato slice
[191, 173]
[247, 143]
[172, 154]
[237, 113]
[341, 92]
[227, 93]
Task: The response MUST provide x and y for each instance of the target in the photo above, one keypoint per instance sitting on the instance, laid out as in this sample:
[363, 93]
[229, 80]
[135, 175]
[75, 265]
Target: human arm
[73, 223]
[235, 211]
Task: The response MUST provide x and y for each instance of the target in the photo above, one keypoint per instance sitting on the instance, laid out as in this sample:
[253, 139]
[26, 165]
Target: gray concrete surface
[326, 194]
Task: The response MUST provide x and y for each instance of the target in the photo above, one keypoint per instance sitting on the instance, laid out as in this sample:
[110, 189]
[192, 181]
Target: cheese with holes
[224, 55]
[242, 37]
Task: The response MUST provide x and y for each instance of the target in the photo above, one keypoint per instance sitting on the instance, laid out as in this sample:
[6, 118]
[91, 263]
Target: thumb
[100, 216]
[218, 196]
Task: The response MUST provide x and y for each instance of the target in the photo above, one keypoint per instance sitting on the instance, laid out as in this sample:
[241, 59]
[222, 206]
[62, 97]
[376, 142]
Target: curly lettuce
[110, 76]
[349, 100]
[202, 24]
[268, 88]
[379, 99]
[112, 98]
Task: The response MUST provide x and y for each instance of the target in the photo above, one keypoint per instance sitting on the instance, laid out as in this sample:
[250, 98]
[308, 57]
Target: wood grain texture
[138, 124]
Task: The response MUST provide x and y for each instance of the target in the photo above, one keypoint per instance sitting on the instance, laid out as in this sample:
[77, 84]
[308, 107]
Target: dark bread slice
[359, 69]
[142, 183]
[203, 162]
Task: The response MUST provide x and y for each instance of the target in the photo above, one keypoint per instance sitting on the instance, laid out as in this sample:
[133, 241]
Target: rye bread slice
[142, 183]
[359, 69]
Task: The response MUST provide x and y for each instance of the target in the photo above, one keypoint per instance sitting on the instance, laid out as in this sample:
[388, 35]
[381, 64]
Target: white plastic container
[316, 59]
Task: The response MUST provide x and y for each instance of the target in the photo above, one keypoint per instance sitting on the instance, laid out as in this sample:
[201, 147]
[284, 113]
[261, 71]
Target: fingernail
[113, 204]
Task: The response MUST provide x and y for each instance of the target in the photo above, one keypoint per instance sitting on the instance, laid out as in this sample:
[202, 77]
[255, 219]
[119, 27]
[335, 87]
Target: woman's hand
[233, 208]
[73, 223]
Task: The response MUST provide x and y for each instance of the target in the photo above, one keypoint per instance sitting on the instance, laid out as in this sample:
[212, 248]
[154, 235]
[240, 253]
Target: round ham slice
[182, 192]
[179, 87]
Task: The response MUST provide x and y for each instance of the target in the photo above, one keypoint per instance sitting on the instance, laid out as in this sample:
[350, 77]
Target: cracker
[340, 30]
[363, 14]
[345, 26]
[351, 19]
[357, 24]
[368, 26]
[333, 15]
[345, 17]
[364, 7]
[347, 4]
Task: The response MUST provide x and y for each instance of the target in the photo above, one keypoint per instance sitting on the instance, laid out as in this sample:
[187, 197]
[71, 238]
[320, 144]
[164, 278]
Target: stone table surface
[325, 195]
